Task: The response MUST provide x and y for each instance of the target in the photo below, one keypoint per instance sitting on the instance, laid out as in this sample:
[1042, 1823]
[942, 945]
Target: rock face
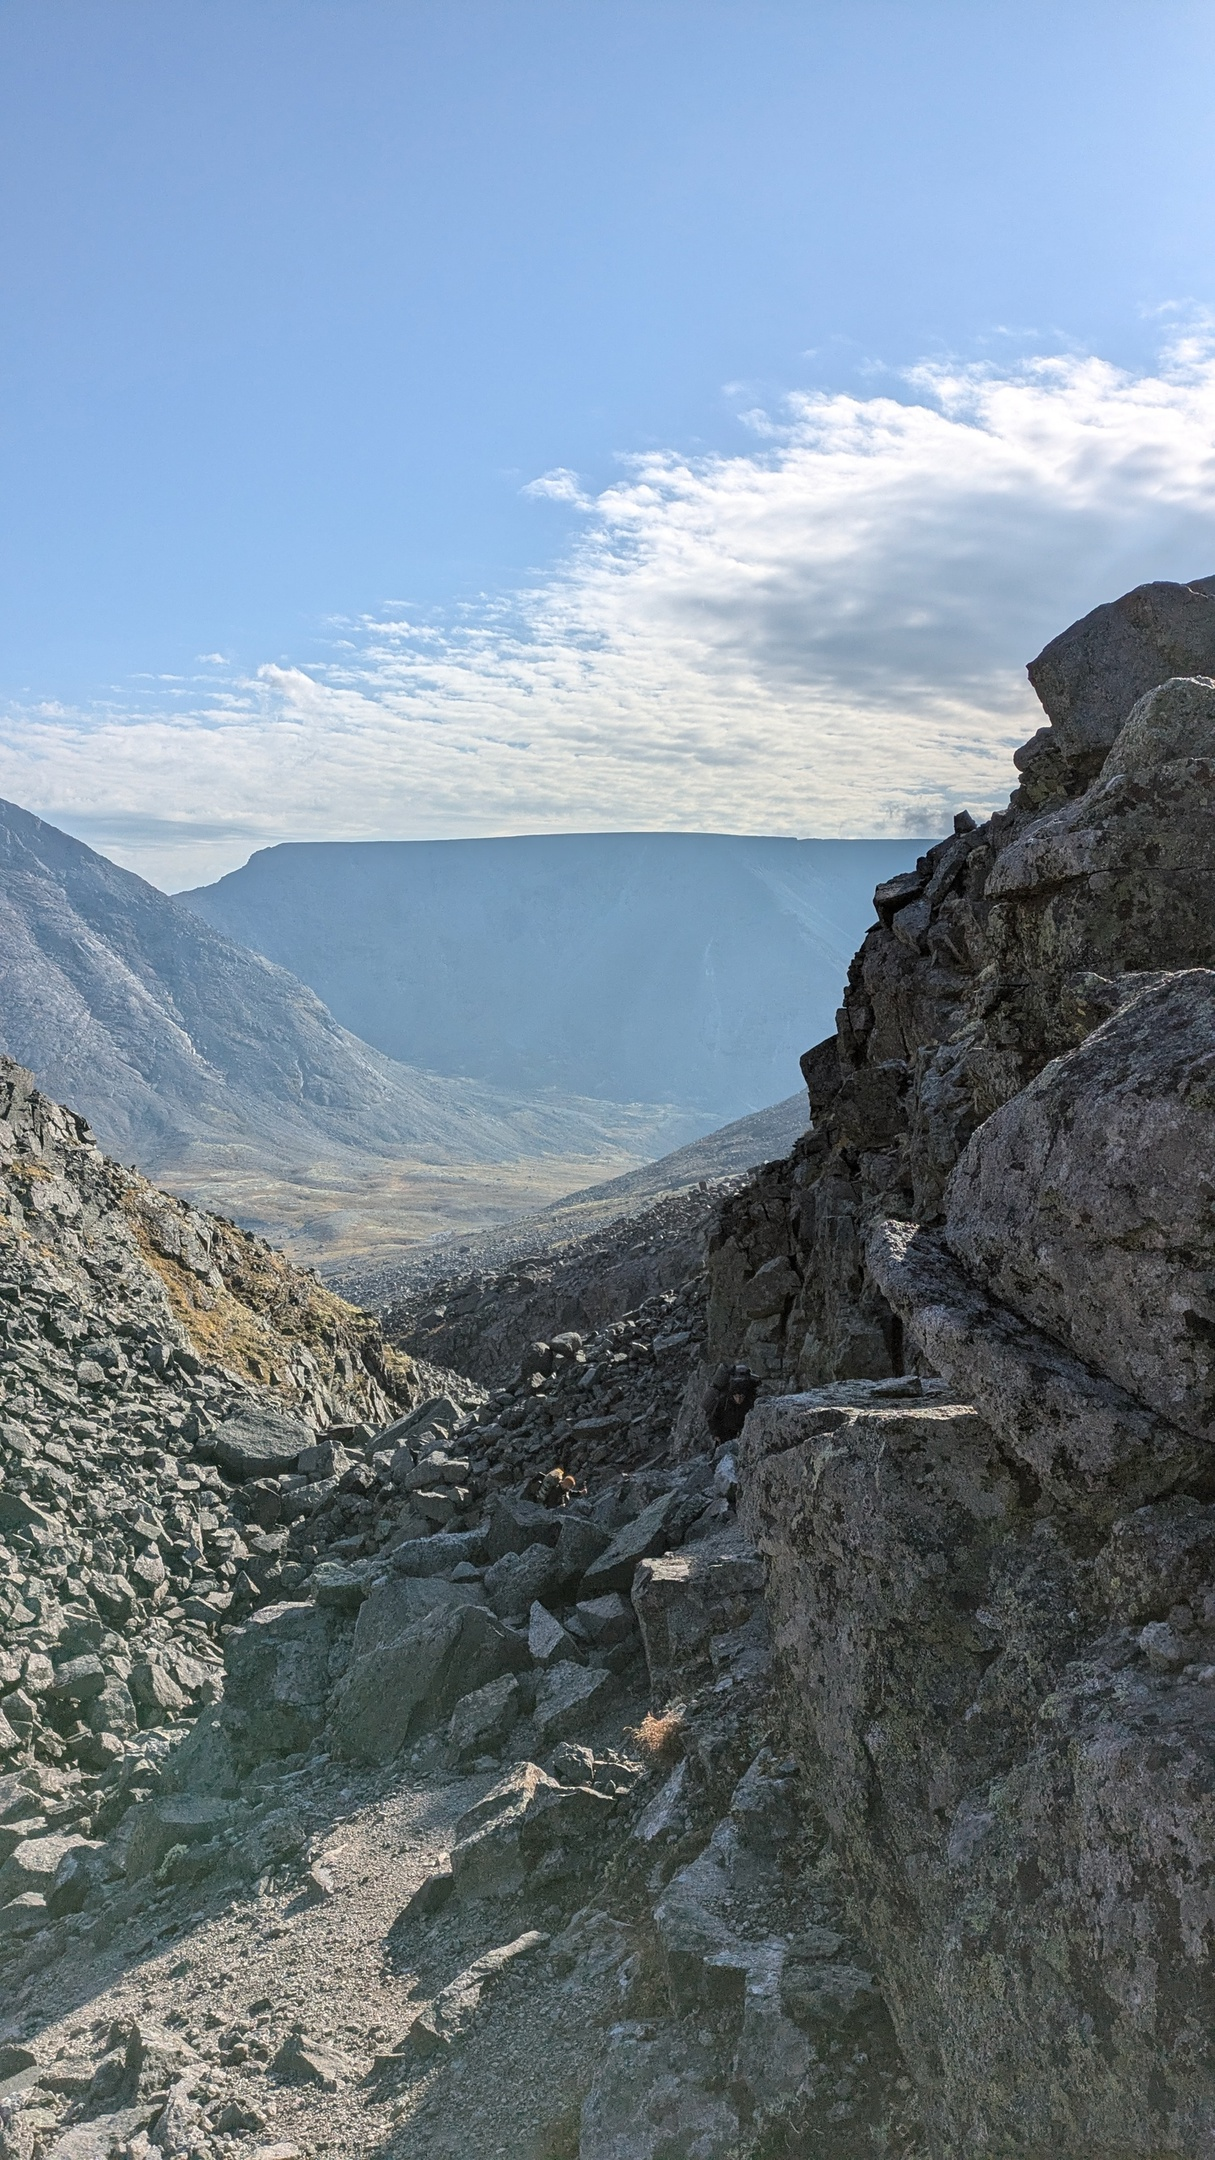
[991, 1581]
[1003, 949]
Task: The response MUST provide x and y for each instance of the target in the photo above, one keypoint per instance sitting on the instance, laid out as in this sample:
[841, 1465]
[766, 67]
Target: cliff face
[1002, 949]
[992, 1581]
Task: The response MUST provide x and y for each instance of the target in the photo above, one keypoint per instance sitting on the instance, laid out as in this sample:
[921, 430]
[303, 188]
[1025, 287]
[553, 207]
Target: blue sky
[302, 303]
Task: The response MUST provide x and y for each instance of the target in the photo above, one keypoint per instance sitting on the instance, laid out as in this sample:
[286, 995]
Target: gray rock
[646, 1534]
[579, 1542]
[684, 1599]
[448, 2018]
[605, 1620]
[1083, 1205]
[481, 1721]
[655, 2095]
[435, 1555]
[516, 1523]
[528, 1820]
[568, 1697]
[278, 1677]
[514, 1582]
[260, 1443]
[416, 1678]
[548, 1641]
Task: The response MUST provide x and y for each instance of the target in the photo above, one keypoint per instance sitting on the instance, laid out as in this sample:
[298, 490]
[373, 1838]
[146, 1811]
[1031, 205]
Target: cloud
[826, 634]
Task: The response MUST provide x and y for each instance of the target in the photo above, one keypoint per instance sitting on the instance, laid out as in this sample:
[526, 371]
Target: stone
[605, 1620]
[156, 1692]
[684, 1599]
[1157, 1558]
[25, 1914]
[277, 1677]
[341, 1587]
[513, 1583]
[657, 2095]
[435, 1555]
[548, 1642]
[431, 1895]
[567, 1697]
[79, 1679]
[1042, 1211]
[482, 1720]
[992, 1772]
[260, 1443]
[303, 2061]
[515, 1523]
[580, 1541]
[156, 1827]
[1090, 1445]
[417, 1677]
[645, 1535]
[33, 1863]
[448, 2018]
[527, 1821]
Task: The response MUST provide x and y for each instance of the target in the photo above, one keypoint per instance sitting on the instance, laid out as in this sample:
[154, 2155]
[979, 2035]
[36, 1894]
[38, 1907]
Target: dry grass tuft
[661, 1736]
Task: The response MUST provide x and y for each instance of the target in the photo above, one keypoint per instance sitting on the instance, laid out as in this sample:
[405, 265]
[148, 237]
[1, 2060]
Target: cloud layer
[824, 636]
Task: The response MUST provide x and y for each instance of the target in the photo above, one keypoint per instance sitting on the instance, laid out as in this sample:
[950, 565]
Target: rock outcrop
[991, 1569]
[1003, 949]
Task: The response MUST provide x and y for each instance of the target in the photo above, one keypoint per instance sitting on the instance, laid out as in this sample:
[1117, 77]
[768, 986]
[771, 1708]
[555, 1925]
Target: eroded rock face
[1084, 1204]
[1004, 949]
[1019, 1792]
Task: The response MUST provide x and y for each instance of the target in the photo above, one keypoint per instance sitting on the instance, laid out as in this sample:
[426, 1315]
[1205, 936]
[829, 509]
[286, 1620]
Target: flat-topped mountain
[688, 968]
[181, 1046]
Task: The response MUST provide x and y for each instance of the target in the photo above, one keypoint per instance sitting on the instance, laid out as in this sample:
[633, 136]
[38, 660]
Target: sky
[559, 415]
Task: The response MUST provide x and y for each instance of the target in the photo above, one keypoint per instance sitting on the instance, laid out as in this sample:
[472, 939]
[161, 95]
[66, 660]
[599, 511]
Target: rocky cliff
[994, 1609]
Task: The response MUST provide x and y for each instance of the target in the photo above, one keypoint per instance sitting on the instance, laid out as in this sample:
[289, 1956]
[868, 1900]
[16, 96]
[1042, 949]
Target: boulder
[416, 1677]
[515, 1523]
[1084, 1204]
[259, 1443]
[684, 1599]
[548, 1641]
[527, 1819]
[442, 2022]
[514, 1582]
[568, 1697]
[278, 1680]
[435, 1555]
[579, 1542]
[645, 1535]
[155, 1827]
[482, 1720]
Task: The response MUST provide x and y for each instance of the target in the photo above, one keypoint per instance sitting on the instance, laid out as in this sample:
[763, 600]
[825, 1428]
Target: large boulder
[1084, 1204]
[684, 1599]
[260, 1443]
[527, 1820]
[278, 1677]
[416, 1677]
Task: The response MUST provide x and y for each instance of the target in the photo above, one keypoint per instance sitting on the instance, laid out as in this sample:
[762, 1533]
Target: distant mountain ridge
[690, 968]
[176, 1041]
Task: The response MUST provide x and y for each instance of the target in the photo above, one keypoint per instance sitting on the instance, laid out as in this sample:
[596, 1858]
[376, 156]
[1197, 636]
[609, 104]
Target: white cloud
[826, 635]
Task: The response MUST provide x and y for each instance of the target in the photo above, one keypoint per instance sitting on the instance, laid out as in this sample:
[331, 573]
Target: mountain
[690, 968]
[192, 1055]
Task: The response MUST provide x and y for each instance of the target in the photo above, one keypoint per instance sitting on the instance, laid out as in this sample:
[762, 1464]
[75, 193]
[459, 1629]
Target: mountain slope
[178, 1043]
[681, 967]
